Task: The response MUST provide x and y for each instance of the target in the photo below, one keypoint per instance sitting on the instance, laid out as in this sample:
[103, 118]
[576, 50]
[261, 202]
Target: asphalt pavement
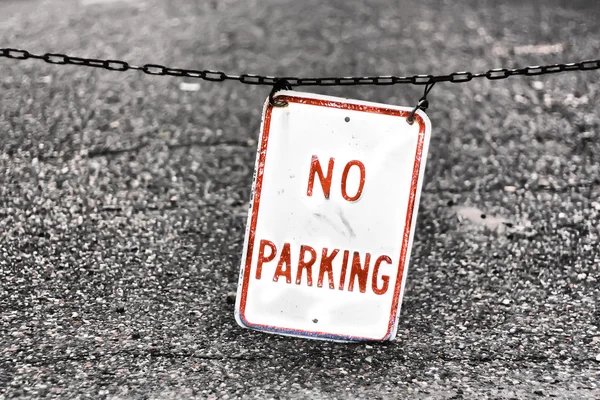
[124, 197]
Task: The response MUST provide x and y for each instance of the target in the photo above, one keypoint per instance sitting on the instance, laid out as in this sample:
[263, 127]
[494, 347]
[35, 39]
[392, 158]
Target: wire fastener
[422, 104]
[280, 84]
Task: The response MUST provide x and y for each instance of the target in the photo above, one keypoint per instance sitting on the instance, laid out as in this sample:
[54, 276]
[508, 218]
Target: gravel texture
[123, 200]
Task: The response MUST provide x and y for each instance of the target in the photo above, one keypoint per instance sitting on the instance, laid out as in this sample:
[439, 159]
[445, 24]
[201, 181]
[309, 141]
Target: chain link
[252, 79]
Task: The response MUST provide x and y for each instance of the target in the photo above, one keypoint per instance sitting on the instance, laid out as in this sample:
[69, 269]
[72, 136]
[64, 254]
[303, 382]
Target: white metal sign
[335, 197]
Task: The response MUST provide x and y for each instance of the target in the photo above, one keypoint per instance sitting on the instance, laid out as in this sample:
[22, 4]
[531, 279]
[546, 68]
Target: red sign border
[256, 204]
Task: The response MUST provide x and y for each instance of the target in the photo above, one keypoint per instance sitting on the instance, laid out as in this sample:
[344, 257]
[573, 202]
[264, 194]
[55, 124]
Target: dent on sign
[335, 196]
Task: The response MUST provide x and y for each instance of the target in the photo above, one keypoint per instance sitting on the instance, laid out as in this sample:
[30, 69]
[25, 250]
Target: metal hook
[280, 84]
[422, 104]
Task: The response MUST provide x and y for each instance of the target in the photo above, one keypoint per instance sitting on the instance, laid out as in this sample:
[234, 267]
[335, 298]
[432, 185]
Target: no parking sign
[335, 197]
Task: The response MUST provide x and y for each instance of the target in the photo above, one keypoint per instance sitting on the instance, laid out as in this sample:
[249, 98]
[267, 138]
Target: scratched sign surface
[334, 206]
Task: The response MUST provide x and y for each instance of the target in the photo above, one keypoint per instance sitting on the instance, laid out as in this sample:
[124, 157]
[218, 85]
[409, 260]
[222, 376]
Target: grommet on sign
[422, 104]
[280, 84]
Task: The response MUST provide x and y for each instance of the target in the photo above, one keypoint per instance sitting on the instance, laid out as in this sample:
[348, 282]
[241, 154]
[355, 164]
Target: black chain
[251, 79]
